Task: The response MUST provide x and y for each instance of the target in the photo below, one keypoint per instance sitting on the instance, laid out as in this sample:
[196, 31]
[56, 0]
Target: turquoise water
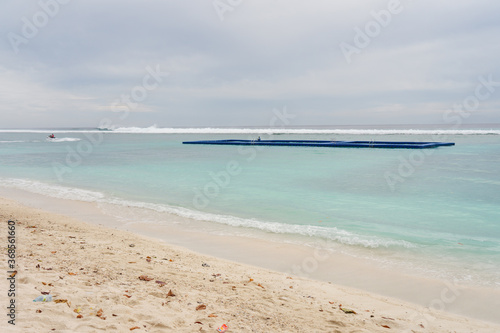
[431, 212]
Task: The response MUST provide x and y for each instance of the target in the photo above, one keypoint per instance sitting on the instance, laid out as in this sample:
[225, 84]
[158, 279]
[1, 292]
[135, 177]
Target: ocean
[433, 212]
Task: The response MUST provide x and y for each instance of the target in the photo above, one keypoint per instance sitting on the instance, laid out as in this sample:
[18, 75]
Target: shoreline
[290, 258]
[446, 292]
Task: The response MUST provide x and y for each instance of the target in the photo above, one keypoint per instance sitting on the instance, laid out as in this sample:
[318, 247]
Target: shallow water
[430, 212]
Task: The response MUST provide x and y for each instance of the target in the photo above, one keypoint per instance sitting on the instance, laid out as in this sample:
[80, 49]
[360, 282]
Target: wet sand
[115, 280]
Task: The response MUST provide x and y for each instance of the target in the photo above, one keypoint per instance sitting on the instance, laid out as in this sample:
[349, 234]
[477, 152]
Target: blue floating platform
[329, 144]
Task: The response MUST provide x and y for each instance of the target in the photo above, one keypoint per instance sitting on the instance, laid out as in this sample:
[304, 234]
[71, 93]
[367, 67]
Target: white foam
[208, 130]
[63, 139]
[331, 234]
[262, 131]
[54, 191]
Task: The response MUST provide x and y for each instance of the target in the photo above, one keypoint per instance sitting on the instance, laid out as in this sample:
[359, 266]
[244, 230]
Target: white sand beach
[104, 279]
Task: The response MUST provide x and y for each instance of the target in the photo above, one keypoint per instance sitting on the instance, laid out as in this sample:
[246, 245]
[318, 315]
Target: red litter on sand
[223, 328]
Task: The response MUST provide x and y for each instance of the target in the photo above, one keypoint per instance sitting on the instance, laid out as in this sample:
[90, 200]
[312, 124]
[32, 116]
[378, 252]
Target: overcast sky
[72, 63]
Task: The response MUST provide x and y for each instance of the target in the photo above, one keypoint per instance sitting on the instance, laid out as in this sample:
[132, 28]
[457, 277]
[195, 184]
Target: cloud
[264, 54]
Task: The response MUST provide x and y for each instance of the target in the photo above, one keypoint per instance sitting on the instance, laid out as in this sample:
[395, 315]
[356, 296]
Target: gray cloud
[265, 54]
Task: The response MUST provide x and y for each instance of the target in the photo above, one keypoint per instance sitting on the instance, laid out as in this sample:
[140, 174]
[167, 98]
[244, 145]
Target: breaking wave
[160, 130]
[63, 139]
[214, 130]
[330, 234]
